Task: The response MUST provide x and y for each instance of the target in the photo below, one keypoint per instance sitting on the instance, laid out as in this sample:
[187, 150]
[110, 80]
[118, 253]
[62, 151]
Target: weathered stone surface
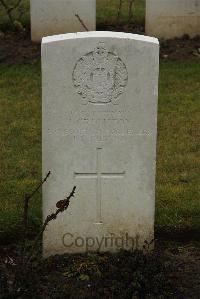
[50, 17]
[99, 133]
[172, 18]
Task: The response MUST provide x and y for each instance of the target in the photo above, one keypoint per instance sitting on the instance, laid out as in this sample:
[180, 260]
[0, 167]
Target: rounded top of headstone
[100, 34]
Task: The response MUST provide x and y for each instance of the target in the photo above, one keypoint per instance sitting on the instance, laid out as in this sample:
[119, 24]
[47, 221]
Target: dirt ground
[185, 277]
[172, 271]
[18, 48]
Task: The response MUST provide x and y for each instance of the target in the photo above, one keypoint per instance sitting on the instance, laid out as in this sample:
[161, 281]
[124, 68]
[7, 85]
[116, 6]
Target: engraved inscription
[105, 125]
[100, 76]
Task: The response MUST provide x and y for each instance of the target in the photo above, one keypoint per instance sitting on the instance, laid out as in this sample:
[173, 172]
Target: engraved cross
[99, 175]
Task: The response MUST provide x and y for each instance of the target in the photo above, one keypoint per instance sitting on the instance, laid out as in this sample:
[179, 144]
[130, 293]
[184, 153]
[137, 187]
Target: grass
[107, 11]
[178, 147]
[177, 185]
[20, 141]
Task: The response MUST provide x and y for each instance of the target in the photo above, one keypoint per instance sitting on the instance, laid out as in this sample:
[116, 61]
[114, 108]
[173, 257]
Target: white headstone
[50, 17]
[172, 18]
[99, 133]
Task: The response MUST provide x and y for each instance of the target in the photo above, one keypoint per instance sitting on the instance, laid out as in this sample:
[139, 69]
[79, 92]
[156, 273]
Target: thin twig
[9, 9]
[16, 5]
[26, 207]
[130, 14]
[39, 186]
[82, 23]
[29, 196]
[4, 4]
[119, 10]
[63, 206]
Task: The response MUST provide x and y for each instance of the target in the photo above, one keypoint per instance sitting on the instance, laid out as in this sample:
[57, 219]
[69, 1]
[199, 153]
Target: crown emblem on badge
[100, 76]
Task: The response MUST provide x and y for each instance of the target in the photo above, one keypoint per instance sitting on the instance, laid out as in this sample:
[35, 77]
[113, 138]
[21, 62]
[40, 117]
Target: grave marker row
[164, 18]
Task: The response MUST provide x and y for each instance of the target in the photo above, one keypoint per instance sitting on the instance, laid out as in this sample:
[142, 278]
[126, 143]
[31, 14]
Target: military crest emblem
[100, 76]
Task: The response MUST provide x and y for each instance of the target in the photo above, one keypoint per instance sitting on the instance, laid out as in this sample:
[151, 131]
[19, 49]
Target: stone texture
[99, 133]
[172, 18]
[50, 17]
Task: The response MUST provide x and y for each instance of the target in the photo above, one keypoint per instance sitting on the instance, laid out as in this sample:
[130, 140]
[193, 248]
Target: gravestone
[99, 134]
[172, 18]
[50, 17]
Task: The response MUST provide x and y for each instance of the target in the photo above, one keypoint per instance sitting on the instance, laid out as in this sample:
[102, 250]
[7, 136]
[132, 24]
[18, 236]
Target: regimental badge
[100, 76]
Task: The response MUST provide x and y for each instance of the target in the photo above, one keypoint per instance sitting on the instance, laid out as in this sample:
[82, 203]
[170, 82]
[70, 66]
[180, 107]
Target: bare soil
[18, 48]
[171, 271]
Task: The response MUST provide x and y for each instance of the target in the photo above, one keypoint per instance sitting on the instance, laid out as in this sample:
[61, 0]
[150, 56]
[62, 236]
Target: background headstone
[172, 18]
[50, 17]
[99, 133]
